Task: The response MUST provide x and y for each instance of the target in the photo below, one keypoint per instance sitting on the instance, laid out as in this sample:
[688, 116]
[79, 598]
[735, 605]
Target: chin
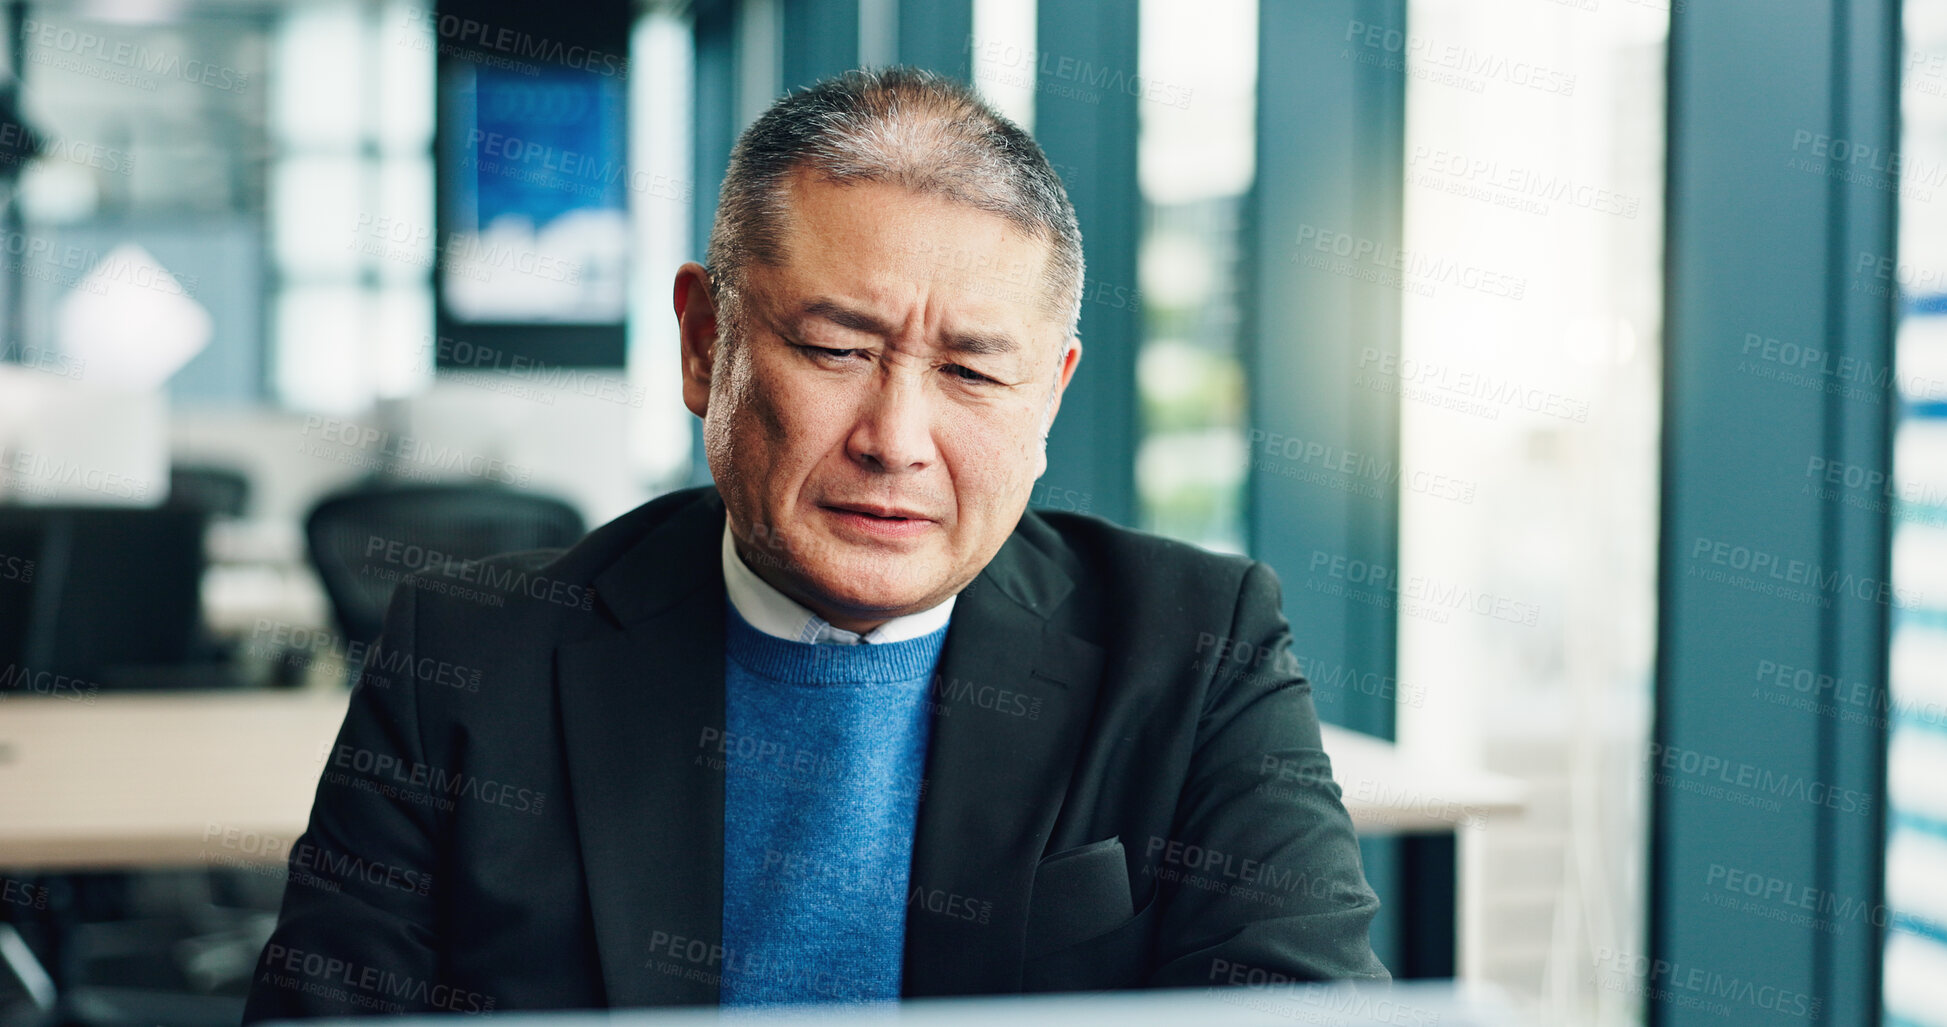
[861, 590]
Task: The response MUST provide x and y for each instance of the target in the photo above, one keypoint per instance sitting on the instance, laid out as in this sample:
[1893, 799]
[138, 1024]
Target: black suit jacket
[524, 807]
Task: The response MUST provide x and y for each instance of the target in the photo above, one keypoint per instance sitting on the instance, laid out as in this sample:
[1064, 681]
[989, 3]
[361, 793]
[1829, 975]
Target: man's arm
[356, 933]
[1262, 862]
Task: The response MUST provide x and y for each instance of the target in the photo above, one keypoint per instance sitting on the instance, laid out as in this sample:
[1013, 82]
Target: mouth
[881, 513]
[880, 521]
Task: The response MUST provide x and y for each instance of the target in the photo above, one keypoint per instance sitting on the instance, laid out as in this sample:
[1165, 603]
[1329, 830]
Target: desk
[129, 781]
[125, 781]
[1388, 793]
[1442, 814]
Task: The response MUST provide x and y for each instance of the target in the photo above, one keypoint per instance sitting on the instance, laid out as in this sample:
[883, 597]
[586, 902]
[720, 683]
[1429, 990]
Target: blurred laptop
[1411, 1004]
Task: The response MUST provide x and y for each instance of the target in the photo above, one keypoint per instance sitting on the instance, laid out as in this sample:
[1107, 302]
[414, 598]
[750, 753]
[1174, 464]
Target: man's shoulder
[1113, 563]
[1093, 535]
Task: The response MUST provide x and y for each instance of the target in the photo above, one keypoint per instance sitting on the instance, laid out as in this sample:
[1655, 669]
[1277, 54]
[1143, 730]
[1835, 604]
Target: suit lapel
[640, 706]
[1011, 700]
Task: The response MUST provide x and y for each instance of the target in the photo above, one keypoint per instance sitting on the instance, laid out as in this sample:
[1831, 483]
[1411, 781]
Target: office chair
[362, 542]
[106, 595]
[106, 599]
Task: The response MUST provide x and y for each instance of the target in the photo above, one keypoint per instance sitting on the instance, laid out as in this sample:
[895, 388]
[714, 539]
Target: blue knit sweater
[825, 750]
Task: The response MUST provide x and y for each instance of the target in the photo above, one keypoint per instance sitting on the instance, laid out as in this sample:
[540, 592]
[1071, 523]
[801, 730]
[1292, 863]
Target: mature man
[852, 725]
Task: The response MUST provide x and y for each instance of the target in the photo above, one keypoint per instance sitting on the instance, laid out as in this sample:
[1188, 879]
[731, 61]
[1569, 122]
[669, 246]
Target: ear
[1071, 355]
[696, 326]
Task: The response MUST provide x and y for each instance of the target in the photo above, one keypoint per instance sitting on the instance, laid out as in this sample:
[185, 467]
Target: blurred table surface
[1446, 1003]
[120, 780]
[123, 781]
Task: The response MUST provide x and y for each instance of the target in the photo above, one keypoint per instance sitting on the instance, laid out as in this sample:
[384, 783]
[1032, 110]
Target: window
[1530, 278]
[1195, 159]
[154, 133]
[351, 205]
[1914, 701]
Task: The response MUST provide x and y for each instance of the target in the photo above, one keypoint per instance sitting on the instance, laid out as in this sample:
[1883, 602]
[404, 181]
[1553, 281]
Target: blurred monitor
[534, 223]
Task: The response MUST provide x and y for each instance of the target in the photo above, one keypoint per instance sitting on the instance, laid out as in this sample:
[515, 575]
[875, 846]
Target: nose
[894, 430]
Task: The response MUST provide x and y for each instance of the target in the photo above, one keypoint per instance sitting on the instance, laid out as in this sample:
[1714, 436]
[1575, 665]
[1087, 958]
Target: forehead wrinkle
[828, 309]
[799, 233]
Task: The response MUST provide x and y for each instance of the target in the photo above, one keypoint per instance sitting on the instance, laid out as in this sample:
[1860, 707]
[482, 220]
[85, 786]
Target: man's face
[877, 430]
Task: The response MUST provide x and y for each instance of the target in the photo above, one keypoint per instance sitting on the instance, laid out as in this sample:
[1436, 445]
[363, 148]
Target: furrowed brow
[980, 343]
[842, 316]
[977, 343]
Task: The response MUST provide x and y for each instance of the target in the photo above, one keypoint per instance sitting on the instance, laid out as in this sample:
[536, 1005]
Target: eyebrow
[977, 342]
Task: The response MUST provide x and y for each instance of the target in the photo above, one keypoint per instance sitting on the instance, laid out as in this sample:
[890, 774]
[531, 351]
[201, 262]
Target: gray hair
[899, 125]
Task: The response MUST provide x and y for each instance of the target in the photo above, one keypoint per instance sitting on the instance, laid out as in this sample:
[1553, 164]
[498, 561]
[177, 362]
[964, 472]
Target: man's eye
[826, 353]
[966, 374]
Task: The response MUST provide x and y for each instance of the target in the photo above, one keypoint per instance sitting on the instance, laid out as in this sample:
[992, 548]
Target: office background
[1579, 366]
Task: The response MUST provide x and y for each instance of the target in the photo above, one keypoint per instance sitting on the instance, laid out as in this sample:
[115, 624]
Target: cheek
[765, 402]
[995, 461]
[784, 423]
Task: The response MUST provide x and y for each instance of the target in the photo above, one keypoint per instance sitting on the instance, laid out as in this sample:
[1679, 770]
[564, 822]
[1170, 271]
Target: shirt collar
[768, 610]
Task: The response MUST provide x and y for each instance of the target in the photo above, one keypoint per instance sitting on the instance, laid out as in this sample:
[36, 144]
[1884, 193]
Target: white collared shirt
[774, 613]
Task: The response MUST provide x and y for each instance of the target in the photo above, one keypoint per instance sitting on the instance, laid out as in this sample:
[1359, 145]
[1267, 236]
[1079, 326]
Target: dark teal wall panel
[1089, 132]
[1757, 569]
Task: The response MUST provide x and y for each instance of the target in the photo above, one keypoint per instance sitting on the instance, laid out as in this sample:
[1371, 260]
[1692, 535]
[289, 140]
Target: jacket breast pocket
[1085, 930]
